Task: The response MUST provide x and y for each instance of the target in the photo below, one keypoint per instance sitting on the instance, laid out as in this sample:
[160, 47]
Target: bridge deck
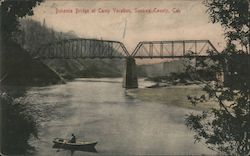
[102, 49]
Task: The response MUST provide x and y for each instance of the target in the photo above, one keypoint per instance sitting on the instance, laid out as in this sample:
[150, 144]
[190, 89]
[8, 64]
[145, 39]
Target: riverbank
[175, 95]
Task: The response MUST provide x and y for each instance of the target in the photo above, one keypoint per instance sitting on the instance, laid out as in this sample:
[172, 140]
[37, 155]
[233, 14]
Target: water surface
[101, 110]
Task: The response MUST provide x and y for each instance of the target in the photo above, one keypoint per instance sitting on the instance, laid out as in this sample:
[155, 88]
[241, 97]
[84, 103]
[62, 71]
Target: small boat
[79, 145]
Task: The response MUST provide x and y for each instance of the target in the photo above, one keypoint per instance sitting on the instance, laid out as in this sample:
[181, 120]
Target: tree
[11, 11]
[16, 125]
[233, 15]
[227, 128]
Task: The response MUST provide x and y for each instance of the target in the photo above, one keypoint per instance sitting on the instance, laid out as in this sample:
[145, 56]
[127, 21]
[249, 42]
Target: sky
[177, 20]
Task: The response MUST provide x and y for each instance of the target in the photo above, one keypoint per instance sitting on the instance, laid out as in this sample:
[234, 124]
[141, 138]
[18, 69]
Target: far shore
[175, 95]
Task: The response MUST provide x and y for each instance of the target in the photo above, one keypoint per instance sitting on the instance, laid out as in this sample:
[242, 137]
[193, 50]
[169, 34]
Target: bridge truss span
[82, 48]
[174, 49]
[92, 48]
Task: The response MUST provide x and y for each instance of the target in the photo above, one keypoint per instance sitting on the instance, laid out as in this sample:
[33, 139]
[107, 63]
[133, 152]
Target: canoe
[79, 145]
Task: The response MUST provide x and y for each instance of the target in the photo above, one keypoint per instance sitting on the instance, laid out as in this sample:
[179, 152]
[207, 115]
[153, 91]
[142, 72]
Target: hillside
[66, 68]
[75, 68]
[18, 68]
[177, 71]
[162, 69]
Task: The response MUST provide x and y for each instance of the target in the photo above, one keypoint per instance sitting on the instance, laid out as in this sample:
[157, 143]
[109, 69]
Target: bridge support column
[130, 78]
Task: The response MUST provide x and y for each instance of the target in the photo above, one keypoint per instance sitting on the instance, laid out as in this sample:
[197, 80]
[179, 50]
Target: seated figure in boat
[72, 139]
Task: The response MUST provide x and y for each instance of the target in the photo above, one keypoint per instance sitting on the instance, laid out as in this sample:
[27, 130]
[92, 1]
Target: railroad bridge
[93, 48]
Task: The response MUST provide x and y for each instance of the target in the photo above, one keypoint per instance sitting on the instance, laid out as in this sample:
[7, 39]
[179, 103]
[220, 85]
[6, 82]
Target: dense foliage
[33, 34]
[11, 11]
[233, 15]
[67, 68]
[17, 126]
[226, 129]
[17, 66]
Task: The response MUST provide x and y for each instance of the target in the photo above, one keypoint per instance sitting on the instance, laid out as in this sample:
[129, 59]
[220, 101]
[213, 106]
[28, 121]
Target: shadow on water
[97, 80]
[17, 126]
[14, 91]
[60, 148]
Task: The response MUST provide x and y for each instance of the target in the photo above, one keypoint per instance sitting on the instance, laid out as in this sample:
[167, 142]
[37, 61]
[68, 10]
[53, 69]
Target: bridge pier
[130, 78]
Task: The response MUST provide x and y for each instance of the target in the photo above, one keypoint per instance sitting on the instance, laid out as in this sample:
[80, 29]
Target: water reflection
[73, 152]
[60, 148]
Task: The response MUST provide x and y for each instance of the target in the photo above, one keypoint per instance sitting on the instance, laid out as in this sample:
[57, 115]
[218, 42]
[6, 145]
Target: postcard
[124, 77]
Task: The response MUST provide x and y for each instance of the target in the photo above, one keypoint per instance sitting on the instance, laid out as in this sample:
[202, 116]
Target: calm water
[100, 110]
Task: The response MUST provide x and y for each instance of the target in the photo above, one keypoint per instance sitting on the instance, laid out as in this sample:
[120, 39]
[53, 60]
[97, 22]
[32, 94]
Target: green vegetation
[33, 34]
[17, 67]
[66, 68]
[96, 68]
[162, 69]
[179, 71]
[16, 126]
[227, 128]
[11, 12]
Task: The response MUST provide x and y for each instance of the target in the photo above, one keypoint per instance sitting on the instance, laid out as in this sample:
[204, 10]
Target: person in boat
[72, 139]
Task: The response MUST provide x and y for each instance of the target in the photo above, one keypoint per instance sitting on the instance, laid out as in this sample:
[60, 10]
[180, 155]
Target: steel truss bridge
[93, 48]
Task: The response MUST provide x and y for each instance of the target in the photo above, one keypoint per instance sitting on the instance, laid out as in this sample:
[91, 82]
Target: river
[101, 110]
